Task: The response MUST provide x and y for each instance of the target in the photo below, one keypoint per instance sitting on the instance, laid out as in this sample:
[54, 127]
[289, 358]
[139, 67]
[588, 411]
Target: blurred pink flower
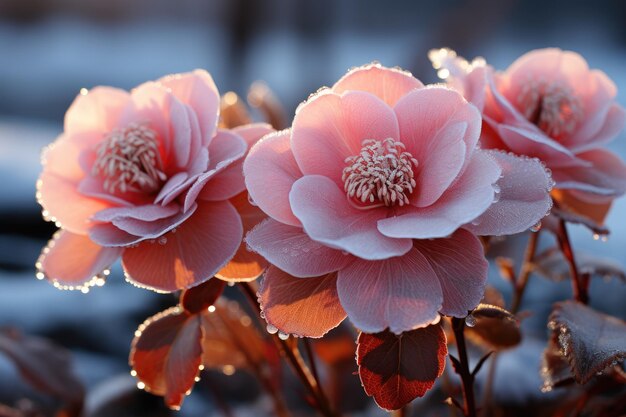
[147, 176]
[380, 180]
[548, 104]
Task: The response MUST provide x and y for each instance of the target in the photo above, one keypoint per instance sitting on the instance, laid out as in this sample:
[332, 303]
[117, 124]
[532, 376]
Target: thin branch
[525, 271]
[458, 326]
[580, 284]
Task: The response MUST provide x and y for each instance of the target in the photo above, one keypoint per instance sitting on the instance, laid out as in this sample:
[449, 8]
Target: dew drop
[228, 370]
[283, 336]
[470, 321]
[211, 309]
[162, 240]
[141, 385]
[536, 227]
[271, 329]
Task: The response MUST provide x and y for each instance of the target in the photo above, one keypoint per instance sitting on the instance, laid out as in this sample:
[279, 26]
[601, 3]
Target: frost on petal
[388, 84]
[523, 198]
[328, 218]
[461, 267]
[293, 251]
[301, 306]
[72, 261]
[270, 170]
[189, 255]
[401, 293]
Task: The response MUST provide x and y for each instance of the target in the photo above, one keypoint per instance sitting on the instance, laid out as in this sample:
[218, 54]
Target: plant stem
[402, 412]
[458, 326]
[580, 285]
[295, 360]
[525, 271]
[311, 358]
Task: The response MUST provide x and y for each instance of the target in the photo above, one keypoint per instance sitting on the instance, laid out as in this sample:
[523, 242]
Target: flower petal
[200, 247]
[328, 217]
[303, 307]
[440, 129]
[253, 132]
[464, 201]
[270, 170]
[461, 267]
[96, 112]
[74, 261]
[328, 128]
[151, 229]
[197, 89]
[605, 176]
[401, 293]
[290, 249]
[60, 198]
[523, 200]
[388, 84]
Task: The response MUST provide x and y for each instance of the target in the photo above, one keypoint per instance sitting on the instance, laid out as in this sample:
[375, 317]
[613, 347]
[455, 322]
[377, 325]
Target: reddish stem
[525, 271]
[458, 326]
[580, 285]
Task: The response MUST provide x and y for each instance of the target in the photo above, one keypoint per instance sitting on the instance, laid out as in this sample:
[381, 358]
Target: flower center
[381, 174]
[129, 160]
[553, 107]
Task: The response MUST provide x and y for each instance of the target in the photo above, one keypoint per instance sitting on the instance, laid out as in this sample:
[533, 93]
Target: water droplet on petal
[271, 329]
[470, 321]
[283, 336]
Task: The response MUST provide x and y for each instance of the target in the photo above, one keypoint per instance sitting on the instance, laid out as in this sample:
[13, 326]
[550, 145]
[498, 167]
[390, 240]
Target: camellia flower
[375, 197]
[147, 176]
[548, 104]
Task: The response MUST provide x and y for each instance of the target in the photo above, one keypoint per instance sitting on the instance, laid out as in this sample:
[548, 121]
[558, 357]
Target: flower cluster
[375, 204]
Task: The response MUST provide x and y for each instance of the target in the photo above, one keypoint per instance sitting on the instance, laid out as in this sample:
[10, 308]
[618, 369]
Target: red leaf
[303, 306]
[201, 297]
[396, 369]
[46, 367]
[590, 341]
[166, 354]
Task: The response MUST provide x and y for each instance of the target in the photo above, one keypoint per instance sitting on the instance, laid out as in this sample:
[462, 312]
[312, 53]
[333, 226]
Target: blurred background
[50, 49]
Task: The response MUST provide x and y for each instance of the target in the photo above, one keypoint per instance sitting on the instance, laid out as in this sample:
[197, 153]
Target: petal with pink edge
[109, 235]
[328, 218]
[612, 125]
[303, 307]
[153, 228]
[253, 132]
[62, 159]
[401, 293]
[523, 200]
[328, 128]
[606, 176]
[65, 204]
[461, 267]
[226, 148]
[270, 170]
[290, 249]
[467, 199]
[388, 84]
[96, 112]
[440, 129]
[197, 89]
[73, 261]
[200, 247]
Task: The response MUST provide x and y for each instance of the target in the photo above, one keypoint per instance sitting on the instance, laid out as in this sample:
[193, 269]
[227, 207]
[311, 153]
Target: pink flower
[147, 176]
[548, 104]
[378, 191]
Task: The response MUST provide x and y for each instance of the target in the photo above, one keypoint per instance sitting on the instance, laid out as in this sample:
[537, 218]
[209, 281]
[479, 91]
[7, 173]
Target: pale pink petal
[401, 293]
[151, 229]
[291, 250]
[197, 89]
[172, 186]
[91, 186]
[62, 158]
[606, 176]
[328, 128]
[147, 212]
[328, 217]
[65, 204]
[96, 112]
[225, 184]
[72, 260]
[200, 247]
[388, 84]
[464, 201]
[612, 125]
[253, 132]
[532, 142]
[302, 307]
[440, 129]
[225, 149]
[270, 170]
[461, 267]
[523, 200]
[106, 234]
